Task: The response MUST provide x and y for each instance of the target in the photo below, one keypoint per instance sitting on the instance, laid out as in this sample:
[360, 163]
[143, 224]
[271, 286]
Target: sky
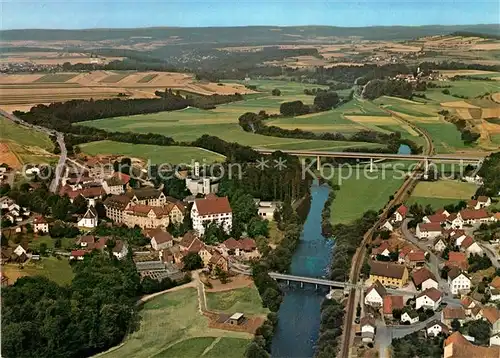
[78, 14]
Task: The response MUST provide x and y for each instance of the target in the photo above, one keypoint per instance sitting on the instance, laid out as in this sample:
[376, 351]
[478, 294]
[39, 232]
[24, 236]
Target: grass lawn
[58, 270]
[56, 77]
[435, 203]
[286, 87]
[245, 299]
[190, 348]
[169, 319]
[236, 346]
[448, 189]
[472, 89]
[24, 136]
[358, 193]
[66, 243]
[156, 153]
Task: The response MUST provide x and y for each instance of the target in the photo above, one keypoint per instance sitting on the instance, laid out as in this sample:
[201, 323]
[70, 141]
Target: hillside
[244, 34]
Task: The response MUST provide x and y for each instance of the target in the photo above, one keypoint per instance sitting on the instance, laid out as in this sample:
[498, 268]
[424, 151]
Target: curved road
[60, 141]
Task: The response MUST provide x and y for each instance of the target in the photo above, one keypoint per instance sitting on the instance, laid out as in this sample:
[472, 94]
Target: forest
[92, 314]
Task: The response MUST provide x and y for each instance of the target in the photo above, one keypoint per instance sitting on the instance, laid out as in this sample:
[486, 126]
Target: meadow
[171, 326]
[441, 193]
[24, 136]
[191, 123]
[245, 299]
[358, 193]
[57, 269]
[156, 153]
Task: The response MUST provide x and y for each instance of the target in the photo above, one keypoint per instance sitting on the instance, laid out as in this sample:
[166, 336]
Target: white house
[367, 325]
[410, 316]
[266, 209]
[439, 244]
[375, 294]
[494, 288]
[458, 281]
[429, 299]
[211, 209]
[457, 237]
[90, 219]
[495, 340]
[114, 186]
[383, 250]
[19, 250]
[479, 203]
[32, 170]
[387, 226]
[428, 230]
[400, 213]
[424, 279]
[435, 327]
[120, 250]
[476, 216]
[162, 240]
[40, 224]
[455, 221]
[468, 304]
[470, 247]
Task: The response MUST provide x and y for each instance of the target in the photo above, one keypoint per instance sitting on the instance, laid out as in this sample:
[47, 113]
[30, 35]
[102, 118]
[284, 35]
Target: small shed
[236, 319]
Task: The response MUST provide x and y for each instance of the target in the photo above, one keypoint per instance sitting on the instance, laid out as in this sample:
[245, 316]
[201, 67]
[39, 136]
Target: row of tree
[384, 87]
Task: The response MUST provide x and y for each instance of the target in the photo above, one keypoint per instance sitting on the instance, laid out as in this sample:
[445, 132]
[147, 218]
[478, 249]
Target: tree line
[490, 172]
[384, 87]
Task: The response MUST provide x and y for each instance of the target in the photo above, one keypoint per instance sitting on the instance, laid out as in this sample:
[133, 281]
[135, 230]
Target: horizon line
[241, 26]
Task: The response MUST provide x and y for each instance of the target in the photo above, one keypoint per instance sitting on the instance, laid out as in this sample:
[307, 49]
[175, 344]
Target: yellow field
[54, 58]
[464, 113]
[491, 112]
[452, 73]
[22, 92]
[419, 119]
[496, 97]
[458, 104]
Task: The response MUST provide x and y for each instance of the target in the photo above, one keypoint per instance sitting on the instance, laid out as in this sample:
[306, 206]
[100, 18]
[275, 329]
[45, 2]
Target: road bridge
[356, 155]
[311, 280]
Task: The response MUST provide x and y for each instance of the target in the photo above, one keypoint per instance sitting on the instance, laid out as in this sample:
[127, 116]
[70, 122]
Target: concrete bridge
[412, 157]
[315, 281]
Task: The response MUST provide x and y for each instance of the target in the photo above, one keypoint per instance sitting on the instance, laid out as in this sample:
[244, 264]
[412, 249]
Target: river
[299, 313]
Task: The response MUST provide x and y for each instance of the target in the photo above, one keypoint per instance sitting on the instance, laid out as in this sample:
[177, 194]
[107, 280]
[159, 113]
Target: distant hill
[250, 34]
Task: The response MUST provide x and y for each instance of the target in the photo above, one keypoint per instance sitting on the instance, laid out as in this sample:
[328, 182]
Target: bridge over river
[311, 280]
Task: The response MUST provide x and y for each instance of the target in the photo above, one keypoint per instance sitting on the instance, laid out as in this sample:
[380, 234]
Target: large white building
[458, 281]
[211, 209]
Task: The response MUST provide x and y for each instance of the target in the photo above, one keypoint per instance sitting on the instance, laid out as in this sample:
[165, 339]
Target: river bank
[299, 313]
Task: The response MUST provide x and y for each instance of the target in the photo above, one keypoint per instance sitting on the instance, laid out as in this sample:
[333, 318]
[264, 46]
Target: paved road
[490, 252]
[60, 140]
[434, 260]
[385, 334]
[60, 165]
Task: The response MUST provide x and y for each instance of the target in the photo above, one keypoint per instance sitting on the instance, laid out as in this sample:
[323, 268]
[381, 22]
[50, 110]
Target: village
[144, 209]
[429, 273]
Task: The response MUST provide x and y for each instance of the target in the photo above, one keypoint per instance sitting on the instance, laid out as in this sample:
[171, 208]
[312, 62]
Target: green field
[358, 193]
[192, 123]
[56, 77]
[58, 270]
[286, 87]
[171, 326]
[24, 136]
[156, 153]
[472, 89]
[445, 136]
[148, 78]
[246, 300]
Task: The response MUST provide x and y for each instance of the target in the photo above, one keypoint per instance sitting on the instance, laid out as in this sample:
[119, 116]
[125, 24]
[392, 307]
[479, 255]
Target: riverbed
[299, 314]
